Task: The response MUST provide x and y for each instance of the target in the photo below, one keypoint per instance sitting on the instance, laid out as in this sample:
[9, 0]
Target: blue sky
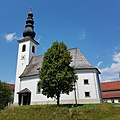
[91, 25]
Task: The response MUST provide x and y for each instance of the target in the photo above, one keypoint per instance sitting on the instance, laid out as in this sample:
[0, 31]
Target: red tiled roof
[11, 86]
[110, 89]
[108, 86]
[111, 94]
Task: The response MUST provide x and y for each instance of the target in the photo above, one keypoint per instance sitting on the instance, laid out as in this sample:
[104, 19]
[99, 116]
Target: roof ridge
[85, 58]
[72, 48]
[38, 55]
[110, 81]
[34, 57]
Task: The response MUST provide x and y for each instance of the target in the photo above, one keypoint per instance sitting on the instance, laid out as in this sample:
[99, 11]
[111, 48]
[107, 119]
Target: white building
[28, 65]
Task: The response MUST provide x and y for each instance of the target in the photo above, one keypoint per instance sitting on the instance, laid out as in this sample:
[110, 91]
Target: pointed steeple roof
[29, 33]
[29, 27]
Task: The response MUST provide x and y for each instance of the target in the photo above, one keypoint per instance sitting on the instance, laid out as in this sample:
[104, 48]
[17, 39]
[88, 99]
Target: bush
[5, 95]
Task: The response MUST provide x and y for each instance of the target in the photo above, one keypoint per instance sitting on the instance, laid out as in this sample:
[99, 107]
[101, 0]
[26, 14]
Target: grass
[64, 112]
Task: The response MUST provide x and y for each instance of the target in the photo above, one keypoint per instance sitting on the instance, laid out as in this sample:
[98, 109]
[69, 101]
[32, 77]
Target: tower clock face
[22, 57]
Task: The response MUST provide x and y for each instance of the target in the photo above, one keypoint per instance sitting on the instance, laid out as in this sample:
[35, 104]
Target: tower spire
[29, 27]
[30, 10]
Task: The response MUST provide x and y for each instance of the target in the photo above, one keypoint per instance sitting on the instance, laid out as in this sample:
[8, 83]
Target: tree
[5, 95]
[56, 74]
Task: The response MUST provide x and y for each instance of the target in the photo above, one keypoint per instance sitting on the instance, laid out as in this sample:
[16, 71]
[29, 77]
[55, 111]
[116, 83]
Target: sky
[93, 26]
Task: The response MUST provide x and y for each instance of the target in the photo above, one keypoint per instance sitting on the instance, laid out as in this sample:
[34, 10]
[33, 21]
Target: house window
[86, 82]
[87, 94]
[38, 89]
[23, 48]
[33, 49]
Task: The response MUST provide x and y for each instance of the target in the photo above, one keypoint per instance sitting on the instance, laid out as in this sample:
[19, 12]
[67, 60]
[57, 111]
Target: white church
[27, 92]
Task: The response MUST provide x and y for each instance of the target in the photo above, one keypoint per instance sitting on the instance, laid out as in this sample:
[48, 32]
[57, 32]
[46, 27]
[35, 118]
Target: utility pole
[119, 74]
[75, 95]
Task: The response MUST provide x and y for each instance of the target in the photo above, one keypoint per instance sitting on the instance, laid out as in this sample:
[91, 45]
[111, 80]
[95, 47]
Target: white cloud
[99, 63]
[112, 72]
[39, 39]
[116, 47]
[11, 36]
[82, 35]
[116, 57]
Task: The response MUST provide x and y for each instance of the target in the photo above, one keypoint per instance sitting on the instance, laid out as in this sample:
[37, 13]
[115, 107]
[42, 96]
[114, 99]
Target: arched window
[23, 48]
[33, 49]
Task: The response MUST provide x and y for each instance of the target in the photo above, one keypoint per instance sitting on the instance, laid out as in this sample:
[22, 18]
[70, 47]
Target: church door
[26, 98]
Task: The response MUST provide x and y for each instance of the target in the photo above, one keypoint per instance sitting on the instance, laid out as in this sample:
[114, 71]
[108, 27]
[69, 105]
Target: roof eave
[22, 76]
[88, 69]
[27, 39]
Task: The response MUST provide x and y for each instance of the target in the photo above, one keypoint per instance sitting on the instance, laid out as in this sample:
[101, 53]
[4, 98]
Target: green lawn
[64, 112]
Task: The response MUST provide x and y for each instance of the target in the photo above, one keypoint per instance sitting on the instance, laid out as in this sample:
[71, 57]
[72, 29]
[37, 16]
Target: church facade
[87, 88]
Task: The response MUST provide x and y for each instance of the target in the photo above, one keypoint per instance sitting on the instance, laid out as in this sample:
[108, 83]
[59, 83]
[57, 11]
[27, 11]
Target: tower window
[87, 94]
[23, 48]
[86, 82]
[33, 49]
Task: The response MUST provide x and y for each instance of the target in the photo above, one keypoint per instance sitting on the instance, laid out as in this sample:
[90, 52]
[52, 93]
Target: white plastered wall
[92, 87]
[23, 60]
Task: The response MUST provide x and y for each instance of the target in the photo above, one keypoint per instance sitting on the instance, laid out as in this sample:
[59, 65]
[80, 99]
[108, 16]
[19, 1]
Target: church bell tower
[26, 50]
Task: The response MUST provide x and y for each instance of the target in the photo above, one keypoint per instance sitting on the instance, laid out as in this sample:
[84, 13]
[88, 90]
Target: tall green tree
[56, 74]
[5, 95]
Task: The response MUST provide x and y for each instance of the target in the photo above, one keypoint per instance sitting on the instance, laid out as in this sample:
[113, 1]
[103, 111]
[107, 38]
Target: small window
[23, 48]
[38, 89]
[86, 82]
[87, 94]
[33, 49]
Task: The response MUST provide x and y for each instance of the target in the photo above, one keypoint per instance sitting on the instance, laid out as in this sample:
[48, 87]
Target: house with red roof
[11, 86]
[111, 91]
